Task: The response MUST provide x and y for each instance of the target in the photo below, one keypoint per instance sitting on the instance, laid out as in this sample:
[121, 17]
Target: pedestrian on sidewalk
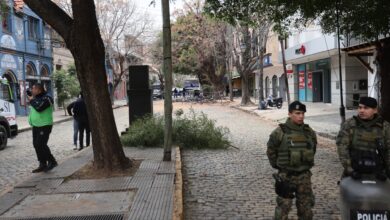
[69, 108]
[41, 121]
[363, 143]
[290, 150]
[81, 115]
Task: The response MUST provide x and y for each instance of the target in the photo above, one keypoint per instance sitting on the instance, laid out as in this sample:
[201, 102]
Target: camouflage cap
[296, 105]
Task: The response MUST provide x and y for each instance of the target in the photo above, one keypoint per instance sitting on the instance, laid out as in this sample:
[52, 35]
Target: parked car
[158, 94]
[8, 126]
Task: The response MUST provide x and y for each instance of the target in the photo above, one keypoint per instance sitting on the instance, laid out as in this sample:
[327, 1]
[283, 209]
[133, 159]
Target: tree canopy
[364, 19]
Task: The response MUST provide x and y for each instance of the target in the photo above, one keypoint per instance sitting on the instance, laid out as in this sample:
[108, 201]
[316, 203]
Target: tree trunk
[261, 75]
[167, 66]
[87, 49]
[245, 70]
[383, 57]
[285, 72]
[245, 100]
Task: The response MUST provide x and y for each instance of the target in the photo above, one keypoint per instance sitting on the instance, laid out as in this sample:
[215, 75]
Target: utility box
[139, 93]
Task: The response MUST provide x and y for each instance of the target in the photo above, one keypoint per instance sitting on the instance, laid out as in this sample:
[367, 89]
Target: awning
[365, 49]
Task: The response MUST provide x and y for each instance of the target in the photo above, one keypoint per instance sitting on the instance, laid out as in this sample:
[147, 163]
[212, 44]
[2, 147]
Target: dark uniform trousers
[40, 139]
[84, 125]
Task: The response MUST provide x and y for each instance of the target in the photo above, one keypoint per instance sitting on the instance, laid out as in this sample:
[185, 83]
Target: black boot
[51, 165]
[42, 167]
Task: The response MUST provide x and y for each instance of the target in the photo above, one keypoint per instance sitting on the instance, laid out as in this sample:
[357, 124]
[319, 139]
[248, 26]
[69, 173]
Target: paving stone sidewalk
[148, 194]
[324, 118]
[237, 183]
[58, 116]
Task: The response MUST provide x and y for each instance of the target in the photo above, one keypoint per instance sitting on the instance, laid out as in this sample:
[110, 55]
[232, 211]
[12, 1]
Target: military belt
[294, 173]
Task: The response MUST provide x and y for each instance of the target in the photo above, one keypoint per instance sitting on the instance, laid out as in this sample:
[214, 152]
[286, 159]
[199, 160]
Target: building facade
[313, 61]
[25, 52]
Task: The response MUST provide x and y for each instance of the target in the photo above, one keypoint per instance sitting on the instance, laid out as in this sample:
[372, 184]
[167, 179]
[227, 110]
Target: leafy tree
[252, 27]
[82, 37]
[67, 86]
[200, 46]
[365, 19]
[156, 56]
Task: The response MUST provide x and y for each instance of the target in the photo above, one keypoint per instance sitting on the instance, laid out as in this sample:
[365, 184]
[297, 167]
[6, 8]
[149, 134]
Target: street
[19, 158]
[237, 184]
[218, 184]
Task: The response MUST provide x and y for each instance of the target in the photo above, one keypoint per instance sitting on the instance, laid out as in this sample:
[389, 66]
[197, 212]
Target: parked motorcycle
[271, 102]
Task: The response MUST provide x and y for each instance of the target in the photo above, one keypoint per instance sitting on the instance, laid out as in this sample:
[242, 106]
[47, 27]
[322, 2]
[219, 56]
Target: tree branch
[59, 20]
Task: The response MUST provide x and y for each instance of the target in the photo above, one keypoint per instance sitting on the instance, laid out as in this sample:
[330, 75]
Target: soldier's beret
[296, 105]
[369, 102]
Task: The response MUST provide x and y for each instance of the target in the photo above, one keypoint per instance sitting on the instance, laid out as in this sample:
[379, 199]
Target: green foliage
[235, 11]
[199, 46]
[365, 19]
[66, 84]
[147, 131]
[194, 131]
[198, 132]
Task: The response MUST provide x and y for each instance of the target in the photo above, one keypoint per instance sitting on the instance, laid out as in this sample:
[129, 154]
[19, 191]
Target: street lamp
[342, 108]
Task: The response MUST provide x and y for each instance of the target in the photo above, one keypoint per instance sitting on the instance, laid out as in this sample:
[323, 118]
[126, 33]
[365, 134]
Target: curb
[178, 196]
[20, 130]
[322, 134]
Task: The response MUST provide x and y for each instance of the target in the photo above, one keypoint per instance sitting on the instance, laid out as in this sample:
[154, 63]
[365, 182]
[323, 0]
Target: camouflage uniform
[280, 150]
[363, 135]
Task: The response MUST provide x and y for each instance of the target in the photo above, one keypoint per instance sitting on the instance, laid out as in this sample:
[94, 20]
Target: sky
[155, 11]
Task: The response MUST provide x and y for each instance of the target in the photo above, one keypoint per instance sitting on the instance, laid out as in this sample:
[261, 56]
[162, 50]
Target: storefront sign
[310, 80]
[8, 62]
[301, 50]
[289, 69]
[301, 79]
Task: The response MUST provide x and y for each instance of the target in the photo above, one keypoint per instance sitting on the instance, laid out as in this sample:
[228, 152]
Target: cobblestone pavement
[19, 158]
[237, 183]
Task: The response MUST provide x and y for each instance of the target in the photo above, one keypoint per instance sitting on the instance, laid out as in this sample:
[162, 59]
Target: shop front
[314, 84]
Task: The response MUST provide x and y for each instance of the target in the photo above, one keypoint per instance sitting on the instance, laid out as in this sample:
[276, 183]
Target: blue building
[25, 51]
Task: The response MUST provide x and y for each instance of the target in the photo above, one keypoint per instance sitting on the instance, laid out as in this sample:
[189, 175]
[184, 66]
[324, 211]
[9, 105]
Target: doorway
[318, 93]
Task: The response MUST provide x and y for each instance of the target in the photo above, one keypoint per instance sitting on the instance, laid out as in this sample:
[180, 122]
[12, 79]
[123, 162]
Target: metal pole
[342, 108]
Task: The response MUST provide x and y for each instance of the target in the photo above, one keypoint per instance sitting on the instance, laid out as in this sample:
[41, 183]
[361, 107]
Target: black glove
[283, 188]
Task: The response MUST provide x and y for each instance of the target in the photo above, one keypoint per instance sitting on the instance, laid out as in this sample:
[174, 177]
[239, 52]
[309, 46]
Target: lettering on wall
[7, 41]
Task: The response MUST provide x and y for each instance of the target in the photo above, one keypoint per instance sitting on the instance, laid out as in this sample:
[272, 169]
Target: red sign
[301, 79]
[303, 49]
[310, 80]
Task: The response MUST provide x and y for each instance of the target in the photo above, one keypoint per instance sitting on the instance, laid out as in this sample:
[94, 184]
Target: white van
[8, 125]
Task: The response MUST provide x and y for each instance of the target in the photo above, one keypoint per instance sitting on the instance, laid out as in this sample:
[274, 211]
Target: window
[4, 92]
[6, 21]
[44, 71]
[33, 28]
[30, 70]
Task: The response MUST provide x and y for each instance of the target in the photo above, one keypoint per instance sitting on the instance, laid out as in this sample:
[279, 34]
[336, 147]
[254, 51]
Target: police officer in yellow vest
[290, 150]
[363, 143]
[41, 121]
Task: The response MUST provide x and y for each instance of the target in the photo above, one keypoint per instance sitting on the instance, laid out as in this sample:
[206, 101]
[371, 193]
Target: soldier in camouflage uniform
[363, 143]
[290, 150]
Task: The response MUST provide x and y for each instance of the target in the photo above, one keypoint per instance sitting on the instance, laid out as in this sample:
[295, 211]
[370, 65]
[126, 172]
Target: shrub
[191, 130]
[147, 131]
